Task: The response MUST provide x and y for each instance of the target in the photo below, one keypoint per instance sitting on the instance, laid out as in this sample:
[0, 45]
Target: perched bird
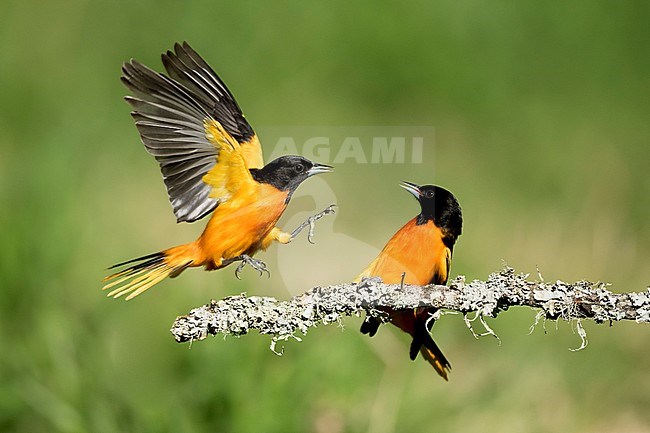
[419, 254]
[211, 161]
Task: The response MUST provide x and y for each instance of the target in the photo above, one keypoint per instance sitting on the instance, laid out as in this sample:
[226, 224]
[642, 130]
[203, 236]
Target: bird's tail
[424, 344]
[147, 271]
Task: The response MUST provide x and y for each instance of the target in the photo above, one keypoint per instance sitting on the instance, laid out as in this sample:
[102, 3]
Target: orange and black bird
[419, 254]
[211, 162]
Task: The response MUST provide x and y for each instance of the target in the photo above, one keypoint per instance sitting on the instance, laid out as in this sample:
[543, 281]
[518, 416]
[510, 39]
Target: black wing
[187, 67]
[170, 114]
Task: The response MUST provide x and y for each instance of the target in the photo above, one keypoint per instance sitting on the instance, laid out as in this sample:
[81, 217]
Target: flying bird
[419, 254]
[211, 162]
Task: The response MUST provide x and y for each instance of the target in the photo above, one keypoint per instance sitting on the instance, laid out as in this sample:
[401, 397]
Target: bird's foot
[310, 222]
[245, 259]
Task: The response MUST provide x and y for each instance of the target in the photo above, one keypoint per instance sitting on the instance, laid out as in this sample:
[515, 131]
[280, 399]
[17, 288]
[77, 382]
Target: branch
[238, 315]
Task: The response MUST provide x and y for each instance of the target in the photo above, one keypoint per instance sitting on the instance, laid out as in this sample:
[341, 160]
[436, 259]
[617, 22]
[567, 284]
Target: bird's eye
[299, 168]
[428, 194]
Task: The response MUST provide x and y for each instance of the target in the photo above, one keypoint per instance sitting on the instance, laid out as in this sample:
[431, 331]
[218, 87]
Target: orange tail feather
[148, 271]
[437, 361]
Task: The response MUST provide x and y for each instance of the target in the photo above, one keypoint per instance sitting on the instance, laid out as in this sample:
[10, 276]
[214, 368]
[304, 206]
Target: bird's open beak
[319, 168]
[411, 187]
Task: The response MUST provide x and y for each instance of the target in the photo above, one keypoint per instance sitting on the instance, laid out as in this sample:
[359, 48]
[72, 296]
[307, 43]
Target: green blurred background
[541, 118]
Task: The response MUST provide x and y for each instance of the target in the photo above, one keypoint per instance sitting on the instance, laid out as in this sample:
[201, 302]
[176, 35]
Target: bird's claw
[310, 222]
[258, 265]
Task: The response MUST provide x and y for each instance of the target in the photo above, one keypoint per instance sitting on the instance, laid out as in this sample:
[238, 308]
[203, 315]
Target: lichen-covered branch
[238, 315]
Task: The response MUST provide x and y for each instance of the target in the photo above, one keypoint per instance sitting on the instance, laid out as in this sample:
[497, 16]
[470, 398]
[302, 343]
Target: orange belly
[416, 251]
[238, 226]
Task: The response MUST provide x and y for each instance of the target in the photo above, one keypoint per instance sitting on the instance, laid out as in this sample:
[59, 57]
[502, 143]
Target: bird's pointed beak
[411, 187]
[319, 168]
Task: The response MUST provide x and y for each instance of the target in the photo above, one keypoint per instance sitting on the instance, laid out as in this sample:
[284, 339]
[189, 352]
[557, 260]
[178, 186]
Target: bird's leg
[309, 222]
[245, 259]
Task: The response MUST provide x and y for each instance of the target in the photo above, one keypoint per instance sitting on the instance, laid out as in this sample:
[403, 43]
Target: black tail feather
[151, 259]
[421, 338]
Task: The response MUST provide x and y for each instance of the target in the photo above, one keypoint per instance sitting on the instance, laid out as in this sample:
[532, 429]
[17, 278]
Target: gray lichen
[238, 315]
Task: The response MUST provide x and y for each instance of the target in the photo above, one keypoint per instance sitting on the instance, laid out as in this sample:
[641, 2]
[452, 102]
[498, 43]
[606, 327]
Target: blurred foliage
[541, 118]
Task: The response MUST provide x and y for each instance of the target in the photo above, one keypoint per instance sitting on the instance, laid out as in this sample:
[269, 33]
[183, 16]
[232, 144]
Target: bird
[419, 253]
[211, 162]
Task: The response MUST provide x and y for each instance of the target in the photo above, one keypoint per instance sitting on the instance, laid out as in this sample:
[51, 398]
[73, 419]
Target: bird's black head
[288, 172]
[437, 205]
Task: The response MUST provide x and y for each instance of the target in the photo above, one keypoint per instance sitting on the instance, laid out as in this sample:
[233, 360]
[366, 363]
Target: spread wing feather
[187, 67]
[172, 115]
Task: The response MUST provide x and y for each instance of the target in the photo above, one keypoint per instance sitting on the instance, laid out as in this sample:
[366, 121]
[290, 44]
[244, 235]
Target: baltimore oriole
[211, 160]
[419, 253]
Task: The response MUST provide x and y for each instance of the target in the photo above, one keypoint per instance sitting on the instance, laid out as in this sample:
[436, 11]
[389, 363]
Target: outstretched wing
[172, 115]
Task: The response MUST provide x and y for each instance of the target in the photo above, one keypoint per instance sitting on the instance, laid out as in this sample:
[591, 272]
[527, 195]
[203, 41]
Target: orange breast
[241, 222]
[416, 250]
